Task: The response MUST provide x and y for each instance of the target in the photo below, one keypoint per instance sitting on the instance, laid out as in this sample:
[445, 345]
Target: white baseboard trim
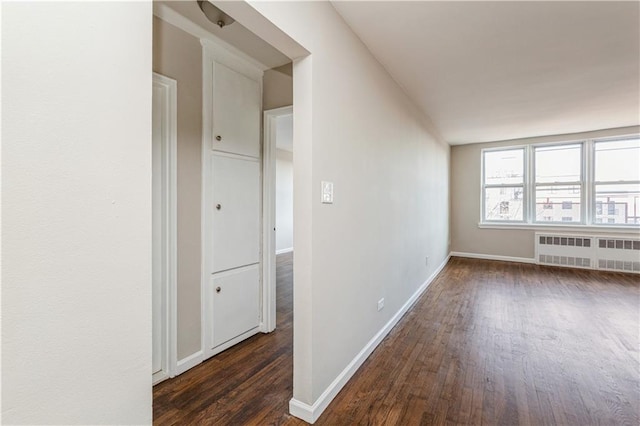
[189, 362]
[158, 377]
[311, 413]
[493, 257]
[285, 250]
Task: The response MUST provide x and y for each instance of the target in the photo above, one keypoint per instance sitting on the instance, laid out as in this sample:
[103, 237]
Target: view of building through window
[556, 184]
[617, 181]
[504, 184]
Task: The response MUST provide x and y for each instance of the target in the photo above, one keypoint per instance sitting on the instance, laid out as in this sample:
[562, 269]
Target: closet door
[236, 112]
[235, 300]
[232, 91]
[235, 215]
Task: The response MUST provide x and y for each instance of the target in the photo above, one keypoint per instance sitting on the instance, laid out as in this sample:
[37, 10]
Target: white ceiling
[489, 71]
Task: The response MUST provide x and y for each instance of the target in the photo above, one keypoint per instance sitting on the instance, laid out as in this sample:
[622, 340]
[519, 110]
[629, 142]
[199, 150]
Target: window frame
[587, 188]
[522, 185]
[594, 183]
[535, 185]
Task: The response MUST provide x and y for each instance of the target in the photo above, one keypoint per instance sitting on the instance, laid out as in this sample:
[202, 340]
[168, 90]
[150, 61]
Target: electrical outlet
[426, 261]
[380, 304]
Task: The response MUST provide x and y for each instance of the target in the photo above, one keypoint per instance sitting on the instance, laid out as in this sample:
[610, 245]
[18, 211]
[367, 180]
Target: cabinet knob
[218, 289]
[218, 206]
[218, 138]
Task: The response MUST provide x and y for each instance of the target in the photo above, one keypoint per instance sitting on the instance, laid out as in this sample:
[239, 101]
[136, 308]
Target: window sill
[560, 227]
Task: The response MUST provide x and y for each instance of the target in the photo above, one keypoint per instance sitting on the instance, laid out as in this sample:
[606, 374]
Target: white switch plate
[380, 304]
[327, 192]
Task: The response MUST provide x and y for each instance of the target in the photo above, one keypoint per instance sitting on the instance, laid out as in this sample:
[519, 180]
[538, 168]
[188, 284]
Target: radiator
[612, 253]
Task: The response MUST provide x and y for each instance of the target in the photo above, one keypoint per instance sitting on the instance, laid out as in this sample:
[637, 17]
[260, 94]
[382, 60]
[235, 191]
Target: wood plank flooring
[250, 383]
[488, 343]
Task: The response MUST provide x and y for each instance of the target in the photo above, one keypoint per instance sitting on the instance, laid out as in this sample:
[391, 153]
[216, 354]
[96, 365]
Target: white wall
[76, 213]
[356, 128]
[284, 200]
[466, 236]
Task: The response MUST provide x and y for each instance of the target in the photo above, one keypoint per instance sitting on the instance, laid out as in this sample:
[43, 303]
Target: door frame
[169, 248]
[269, 217]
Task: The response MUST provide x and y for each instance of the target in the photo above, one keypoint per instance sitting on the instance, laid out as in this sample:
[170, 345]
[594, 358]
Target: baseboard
[158, 377]
[285, 250]
[493, 257]
[311, 413]
[189, 362]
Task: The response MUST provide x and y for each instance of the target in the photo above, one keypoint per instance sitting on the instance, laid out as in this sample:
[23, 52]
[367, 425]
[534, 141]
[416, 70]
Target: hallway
[250, 383]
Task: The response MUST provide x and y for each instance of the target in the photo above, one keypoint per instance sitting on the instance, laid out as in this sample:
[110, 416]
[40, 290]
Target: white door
[234, 296]
[235, 190]
[232, 199]
[163, 208]
[236, 112]
[232, 293]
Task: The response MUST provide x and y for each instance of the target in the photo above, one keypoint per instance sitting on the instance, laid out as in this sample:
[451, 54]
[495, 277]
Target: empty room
[320, 212]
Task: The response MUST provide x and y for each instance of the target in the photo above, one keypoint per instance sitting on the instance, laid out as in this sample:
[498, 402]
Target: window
[591, 182]
[617, 180]
[558, 179]
[503, 185]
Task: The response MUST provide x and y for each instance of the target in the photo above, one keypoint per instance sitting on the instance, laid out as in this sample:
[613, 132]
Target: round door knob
[218, 206]
[218, 289]
[218, 138]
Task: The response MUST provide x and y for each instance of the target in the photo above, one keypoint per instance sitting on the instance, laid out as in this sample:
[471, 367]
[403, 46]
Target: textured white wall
[76, 213]
[354, 126]
[284, 200]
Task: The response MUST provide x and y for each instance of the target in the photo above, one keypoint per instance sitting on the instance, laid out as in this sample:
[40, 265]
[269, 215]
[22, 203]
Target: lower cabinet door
[235, 303]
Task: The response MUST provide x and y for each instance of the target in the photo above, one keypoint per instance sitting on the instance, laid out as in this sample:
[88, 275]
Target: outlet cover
[380, 304]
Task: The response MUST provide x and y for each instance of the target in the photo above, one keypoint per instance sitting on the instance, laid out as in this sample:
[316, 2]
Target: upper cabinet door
[236, 112]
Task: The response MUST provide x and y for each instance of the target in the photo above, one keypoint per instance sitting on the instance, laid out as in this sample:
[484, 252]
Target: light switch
[327, 192]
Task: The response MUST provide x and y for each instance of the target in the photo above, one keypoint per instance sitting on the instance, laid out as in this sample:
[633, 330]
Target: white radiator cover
[604, 252]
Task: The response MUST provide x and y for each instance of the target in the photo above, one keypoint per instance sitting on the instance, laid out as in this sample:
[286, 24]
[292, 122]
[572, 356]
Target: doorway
[278, 196]
[211, 140]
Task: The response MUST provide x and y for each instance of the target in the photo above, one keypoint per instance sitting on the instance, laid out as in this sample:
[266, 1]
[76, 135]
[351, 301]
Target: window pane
[618, 204]
[557, 164]
[504, 167]
[618, 161]
[503, 204]
[558, 204]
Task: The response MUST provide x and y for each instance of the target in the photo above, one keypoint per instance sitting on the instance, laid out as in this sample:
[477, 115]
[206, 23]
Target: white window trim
[522, 185]
[593, 183]
[587, 191]
[534, 185]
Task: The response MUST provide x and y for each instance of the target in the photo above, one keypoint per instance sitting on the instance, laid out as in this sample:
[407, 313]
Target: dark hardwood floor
[250, 383]
[488, 343]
